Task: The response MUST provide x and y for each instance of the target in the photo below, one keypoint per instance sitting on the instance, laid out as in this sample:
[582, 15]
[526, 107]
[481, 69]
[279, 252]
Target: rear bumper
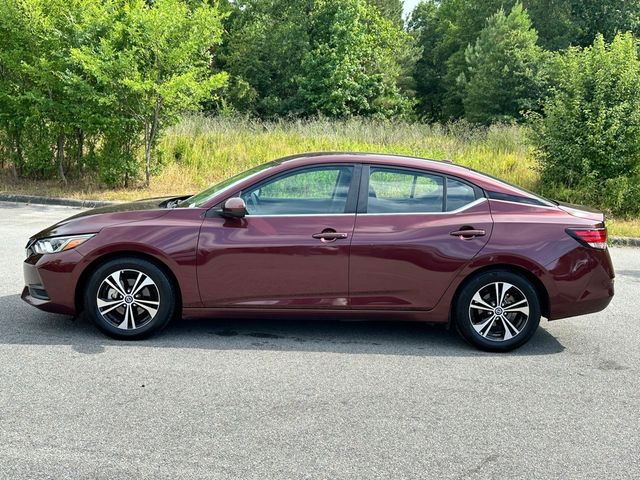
[50, 281]
[583, 282]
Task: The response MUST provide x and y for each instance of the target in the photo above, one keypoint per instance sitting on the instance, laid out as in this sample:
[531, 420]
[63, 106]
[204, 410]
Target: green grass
[200, 151]
[623, 228]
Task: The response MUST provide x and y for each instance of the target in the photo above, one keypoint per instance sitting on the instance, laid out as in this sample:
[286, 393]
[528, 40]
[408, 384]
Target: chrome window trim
[301, 215]
[524, 204]
[461, 209]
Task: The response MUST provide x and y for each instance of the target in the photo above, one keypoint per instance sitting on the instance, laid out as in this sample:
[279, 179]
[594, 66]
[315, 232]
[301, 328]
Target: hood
[94, 220]
[580, 211]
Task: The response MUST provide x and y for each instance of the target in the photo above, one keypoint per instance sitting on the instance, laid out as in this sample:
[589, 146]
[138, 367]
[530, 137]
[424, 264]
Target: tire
[497, 328]
[119, 311]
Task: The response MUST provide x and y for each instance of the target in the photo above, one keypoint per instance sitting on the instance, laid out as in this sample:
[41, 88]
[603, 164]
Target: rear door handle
[468, 233]
[329, 236]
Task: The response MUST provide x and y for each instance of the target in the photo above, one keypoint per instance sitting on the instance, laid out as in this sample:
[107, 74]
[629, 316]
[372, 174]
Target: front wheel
[129, 298]
[497, 311]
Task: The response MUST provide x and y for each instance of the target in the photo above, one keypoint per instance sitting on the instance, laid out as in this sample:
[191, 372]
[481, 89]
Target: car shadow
[21, 324]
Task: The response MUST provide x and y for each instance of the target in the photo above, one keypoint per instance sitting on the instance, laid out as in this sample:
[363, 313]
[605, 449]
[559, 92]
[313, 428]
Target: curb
[624, 241]
[66, 202]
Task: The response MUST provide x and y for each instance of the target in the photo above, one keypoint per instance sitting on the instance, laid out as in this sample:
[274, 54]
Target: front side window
[315, 191]
[404, 191]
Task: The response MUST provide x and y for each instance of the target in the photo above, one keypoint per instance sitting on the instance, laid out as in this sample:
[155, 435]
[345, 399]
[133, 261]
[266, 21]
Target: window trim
[352, 193]
[363, 196]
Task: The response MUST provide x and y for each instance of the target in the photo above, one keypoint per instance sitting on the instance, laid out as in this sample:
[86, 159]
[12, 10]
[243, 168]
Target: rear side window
[459, 194]
[404, 191]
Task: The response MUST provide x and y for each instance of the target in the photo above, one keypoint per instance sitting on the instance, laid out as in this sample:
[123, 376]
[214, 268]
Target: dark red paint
[405, 266]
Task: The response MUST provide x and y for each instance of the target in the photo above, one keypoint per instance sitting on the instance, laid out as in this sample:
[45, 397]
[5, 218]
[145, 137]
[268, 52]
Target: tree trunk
[150, 133]
[80, 140]
[147, 152]
[17, 158]
[60, 155]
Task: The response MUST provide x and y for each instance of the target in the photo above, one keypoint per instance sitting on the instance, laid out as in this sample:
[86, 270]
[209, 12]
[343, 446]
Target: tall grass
[200, 151]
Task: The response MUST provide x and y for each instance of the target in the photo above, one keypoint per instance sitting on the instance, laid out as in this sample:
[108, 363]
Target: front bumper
[50, 281]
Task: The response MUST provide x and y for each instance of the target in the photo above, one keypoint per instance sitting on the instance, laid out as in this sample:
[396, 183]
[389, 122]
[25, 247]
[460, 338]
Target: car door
[291, 250]
[414, 231]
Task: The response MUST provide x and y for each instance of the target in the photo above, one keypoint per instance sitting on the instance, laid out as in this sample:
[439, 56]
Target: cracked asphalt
[241, 399]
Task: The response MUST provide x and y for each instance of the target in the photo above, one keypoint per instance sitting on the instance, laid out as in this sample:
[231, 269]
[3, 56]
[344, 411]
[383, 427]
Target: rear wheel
[129, 298]
[497, 311]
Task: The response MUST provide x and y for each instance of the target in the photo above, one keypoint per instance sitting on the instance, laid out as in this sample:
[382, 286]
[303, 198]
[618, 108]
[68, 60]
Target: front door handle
[468, 233]
[329, 235]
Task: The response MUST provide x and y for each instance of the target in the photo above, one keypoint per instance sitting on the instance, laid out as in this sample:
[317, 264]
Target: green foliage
[262, 52]
[104, 76]
[349, 69]
[302, 57]
[389, 9]
[505, 75]
[445, 28]
[588, 141]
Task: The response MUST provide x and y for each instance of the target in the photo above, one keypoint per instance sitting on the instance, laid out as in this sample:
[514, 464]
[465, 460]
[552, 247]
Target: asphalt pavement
[242, 399]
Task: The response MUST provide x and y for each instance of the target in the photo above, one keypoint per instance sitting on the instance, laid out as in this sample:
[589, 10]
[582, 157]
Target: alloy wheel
[128, 299]
[499, 311]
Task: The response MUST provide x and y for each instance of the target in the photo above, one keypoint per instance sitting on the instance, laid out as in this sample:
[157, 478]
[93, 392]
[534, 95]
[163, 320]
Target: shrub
[588, 140]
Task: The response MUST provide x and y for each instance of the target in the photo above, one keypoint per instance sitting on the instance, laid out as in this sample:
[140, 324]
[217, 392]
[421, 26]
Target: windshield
[203, 197]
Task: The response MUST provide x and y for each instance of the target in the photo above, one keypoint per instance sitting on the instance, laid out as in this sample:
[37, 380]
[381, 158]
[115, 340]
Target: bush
[588, 141]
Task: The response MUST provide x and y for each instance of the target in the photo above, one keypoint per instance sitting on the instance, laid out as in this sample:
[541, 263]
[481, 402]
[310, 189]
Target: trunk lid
[580, 211]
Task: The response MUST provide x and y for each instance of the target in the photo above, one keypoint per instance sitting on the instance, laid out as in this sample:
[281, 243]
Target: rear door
[292, 248]
[414, 231]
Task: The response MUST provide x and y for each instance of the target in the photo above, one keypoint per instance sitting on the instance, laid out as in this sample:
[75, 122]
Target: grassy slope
[198, 152]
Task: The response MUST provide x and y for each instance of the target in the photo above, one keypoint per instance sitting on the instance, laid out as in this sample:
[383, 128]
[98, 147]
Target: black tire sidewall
[167, 298]
[461, 310]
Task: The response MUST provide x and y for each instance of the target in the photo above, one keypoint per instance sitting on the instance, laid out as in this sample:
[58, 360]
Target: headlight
[59, 244]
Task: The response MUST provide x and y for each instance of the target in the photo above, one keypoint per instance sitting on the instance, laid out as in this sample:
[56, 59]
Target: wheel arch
[541, 290]
[101, 260]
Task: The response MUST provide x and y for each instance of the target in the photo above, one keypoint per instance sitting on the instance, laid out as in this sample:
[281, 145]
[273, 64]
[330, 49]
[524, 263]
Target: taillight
[593, 237]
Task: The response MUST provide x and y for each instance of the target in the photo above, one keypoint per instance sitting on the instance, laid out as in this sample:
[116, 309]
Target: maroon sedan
[331, 235]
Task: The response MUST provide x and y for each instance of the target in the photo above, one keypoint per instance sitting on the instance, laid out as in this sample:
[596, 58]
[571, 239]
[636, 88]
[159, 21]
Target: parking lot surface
[242, 399]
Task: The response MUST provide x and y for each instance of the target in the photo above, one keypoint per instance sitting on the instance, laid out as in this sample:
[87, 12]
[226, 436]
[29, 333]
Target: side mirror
[234, 208]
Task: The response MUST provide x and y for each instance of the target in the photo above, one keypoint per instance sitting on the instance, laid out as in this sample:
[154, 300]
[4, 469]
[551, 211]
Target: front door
[414, 232]
[292, 248]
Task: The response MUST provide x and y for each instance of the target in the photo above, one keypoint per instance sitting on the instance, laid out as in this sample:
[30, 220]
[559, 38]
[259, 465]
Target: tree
[607, 17]
[78, 75]
[48, 106]
[588, 140]
[504, 74]
[155, 60]
[389, 9]
[561, 24]
[351, 67]
[275, 55]
[262, 53]
[427, 74]
[444, 29]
